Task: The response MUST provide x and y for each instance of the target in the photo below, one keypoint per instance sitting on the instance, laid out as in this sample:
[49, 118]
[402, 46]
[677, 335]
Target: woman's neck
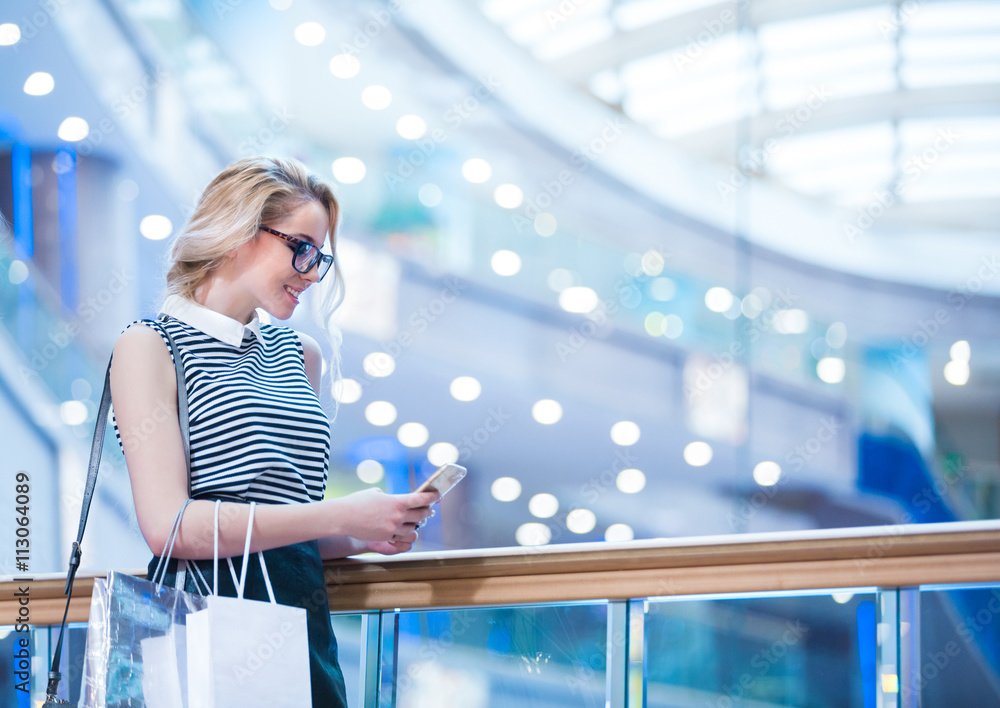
[216, 294]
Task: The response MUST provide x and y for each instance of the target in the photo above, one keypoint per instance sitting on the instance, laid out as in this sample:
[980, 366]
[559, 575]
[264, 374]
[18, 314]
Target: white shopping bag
[246, 653]
[166, 687]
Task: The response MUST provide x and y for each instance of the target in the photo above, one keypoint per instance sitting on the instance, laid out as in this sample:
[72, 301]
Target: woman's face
[265, 264]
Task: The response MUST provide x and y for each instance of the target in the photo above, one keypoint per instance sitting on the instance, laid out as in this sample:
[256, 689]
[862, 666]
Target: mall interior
[663, 275]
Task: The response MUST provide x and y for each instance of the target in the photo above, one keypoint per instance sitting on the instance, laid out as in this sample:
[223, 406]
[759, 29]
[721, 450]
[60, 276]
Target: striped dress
[258, 431]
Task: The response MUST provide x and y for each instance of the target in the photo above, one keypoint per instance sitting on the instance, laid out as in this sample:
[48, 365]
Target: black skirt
[296, 574]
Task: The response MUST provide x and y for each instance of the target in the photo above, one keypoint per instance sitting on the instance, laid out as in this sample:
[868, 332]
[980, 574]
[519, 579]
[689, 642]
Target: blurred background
[648, 268]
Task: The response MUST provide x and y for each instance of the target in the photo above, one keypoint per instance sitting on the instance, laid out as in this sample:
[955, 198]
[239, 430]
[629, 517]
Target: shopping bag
[135, 652]
[166, 688]
[247, 653]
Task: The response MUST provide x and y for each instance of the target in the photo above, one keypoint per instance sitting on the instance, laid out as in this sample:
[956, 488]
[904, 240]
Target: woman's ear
[240, 254]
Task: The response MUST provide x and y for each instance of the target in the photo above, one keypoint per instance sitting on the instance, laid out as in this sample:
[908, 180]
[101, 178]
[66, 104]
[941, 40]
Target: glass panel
[815, 650]
[347, 629]
[957, 633]
[553, 656]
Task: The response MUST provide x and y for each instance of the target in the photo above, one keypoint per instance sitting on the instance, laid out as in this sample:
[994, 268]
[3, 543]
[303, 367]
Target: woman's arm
[144, 391]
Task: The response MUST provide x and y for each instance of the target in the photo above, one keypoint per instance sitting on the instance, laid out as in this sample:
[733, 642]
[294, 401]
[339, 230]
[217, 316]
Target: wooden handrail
[879, 556]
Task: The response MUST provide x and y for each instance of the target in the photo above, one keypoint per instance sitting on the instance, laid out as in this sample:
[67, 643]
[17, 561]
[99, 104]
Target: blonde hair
[245, 195]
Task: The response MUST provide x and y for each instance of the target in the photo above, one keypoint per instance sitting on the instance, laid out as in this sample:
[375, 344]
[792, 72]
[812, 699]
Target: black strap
[96, 449]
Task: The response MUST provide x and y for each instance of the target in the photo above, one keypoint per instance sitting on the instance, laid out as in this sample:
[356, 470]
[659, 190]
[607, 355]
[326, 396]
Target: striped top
[258, 431]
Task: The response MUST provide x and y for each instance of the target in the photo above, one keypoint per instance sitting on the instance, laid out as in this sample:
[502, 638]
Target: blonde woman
[257, 430]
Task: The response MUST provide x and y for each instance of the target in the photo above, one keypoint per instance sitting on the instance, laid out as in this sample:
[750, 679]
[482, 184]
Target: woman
[257, 430]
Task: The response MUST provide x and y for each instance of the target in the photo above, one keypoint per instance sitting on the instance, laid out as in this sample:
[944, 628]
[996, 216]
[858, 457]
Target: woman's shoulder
[142, 341]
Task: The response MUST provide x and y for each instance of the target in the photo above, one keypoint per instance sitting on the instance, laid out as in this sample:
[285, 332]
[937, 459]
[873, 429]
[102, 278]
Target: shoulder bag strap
[88, 492]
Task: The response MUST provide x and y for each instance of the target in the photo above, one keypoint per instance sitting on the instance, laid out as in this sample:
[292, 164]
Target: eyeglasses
[306, 254]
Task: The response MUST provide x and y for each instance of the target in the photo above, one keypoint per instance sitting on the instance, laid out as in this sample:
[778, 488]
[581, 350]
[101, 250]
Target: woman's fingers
[407, 538]
[418, 516]
[423, 521]
[420, 500]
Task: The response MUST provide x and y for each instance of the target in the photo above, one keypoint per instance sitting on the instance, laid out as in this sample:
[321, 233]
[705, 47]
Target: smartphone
[444, 479]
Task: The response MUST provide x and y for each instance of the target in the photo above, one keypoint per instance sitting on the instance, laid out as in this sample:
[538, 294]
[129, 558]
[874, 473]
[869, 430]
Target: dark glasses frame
[305, 255]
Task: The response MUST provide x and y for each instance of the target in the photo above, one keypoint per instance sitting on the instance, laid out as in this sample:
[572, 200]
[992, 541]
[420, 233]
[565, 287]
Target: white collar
[212, 323]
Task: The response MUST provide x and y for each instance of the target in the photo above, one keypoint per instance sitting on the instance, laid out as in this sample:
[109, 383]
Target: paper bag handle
[168, 547]
[241, 583]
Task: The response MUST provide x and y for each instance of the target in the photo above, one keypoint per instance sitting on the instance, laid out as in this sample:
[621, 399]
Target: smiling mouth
[294, 295]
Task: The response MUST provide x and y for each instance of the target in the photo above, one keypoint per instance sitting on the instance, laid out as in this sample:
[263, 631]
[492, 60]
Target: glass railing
[869, 617]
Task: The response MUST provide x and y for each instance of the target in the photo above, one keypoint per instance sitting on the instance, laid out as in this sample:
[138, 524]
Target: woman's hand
[398, 543]
[401, 544]
[388, 520]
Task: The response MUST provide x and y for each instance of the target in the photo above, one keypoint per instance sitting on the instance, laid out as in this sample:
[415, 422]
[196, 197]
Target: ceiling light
[73, 412]
[465, 388]
[792, 321]
[380, 413]
[411, 127]
[625, 433]
[476, 170]
[533, 534]
[412, 434]
[73, 129]
[674, 327]
[310, 34]
[662, 289]
[545, 224]
[956, 372]
[39, 84]
[81, 389]
[581, 521]
[961, 351]
[718, 299]
[652, 262]
[619, 532]
[767, 473]
[546, 411]
[560, 279]
[348, 170]
[18, 272]
[370, 471]
[544, 506]
[442, 453]
[505, 489]
[578, 299]
[345, 66]
[155, 227]
[505, 263]
[378, 364]
[836, 335]
[430, 195]
[9, 34]
[655, 324]
[346, 391]
[376, 97]
[830, 369]
[630, 481]
[127, 190]
[698, 454]
[751, 306]
[509, 196]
